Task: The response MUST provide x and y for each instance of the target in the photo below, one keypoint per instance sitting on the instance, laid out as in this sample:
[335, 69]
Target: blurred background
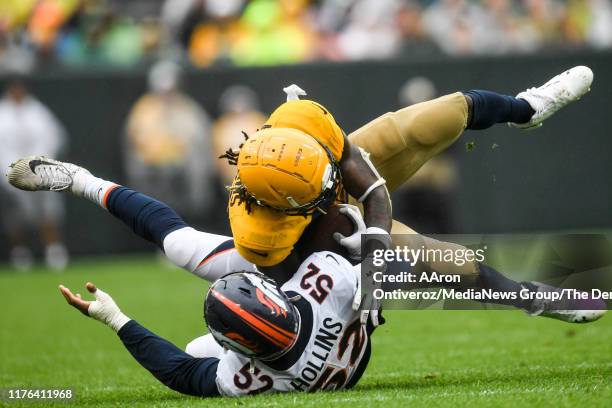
[38, 34]
[150, 92]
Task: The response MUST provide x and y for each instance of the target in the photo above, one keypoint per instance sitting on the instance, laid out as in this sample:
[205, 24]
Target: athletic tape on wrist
[384, 235]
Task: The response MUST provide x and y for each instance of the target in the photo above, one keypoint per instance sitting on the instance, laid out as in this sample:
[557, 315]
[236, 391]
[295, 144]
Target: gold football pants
[400, 143]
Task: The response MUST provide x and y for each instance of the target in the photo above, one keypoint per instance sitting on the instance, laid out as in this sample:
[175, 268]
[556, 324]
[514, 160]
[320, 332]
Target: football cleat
[39, 173]
[567, 310]
[555, 94]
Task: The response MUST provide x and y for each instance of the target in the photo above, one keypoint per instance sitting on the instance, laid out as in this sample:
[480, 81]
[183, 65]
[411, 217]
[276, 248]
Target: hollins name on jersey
[323, 345]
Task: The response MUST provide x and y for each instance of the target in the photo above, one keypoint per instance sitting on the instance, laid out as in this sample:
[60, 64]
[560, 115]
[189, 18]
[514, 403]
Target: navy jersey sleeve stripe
[224, 246]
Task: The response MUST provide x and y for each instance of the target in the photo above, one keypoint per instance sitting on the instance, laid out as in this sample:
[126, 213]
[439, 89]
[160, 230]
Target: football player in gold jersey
[301, 162]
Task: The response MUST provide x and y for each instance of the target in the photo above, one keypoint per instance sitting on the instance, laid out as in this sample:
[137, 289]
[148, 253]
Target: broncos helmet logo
[270, 304]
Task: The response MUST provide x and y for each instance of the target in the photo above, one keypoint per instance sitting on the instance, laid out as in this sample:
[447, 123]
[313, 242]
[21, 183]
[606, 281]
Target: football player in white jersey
[303, 336]
[324, 346]
[321, 341]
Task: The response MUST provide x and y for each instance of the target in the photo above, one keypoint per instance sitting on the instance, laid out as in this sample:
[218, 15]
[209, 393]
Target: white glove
[105, 310]
[369, 305]
[352, 243]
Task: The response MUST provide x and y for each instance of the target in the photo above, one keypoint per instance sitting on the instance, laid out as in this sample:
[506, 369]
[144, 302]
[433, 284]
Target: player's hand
[75, 300]
[103, 309]
[364, 299]
[352, 243]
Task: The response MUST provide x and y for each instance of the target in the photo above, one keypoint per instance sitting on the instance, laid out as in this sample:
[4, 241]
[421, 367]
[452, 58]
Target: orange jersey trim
[104, 200]
[210, 258]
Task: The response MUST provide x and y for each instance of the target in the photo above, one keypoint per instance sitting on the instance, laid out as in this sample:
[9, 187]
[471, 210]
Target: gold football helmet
[287, 170]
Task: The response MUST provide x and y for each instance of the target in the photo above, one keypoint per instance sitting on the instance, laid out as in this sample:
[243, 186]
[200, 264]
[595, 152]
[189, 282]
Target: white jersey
[331, 343]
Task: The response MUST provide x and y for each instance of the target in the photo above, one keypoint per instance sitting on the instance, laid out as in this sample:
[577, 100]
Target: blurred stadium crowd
[78, 33]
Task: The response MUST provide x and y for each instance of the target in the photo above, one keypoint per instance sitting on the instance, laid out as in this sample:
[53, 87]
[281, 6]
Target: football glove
[352, 243]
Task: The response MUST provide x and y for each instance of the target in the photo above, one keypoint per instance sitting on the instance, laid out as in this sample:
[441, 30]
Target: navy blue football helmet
[249, 314]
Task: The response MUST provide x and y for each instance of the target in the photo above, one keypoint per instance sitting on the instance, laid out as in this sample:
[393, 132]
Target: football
[319, 236]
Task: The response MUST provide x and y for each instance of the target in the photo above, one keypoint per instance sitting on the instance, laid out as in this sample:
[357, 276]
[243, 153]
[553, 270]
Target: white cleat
[39, 173]
[584, 310]
[555, 94]
[575, 316]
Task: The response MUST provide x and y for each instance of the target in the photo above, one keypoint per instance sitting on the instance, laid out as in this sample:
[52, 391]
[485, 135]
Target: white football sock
[91, 187]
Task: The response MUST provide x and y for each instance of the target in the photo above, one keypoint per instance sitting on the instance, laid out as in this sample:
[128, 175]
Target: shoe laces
[57, 177]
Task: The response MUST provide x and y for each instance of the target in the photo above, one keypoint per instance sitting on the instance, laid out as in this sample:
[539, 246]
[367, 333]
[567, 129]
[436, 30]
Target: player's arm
[170, 365]
[363, 182]
[206, 255]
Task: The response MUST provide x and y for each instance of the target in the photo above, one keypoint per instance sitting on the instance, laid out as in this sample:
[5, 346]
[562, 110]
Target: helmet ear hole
[246, 291]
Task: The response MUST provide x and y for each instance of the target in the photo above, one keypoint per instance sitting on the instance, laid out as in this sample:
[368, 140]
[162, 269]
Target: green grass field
[420, 358]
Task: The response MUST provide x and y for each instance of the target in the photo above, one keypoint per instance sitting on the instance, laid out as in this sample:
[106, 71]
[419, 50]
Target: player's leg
[404, 236]
[479, 276]
[149, 218]
[400, 142]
